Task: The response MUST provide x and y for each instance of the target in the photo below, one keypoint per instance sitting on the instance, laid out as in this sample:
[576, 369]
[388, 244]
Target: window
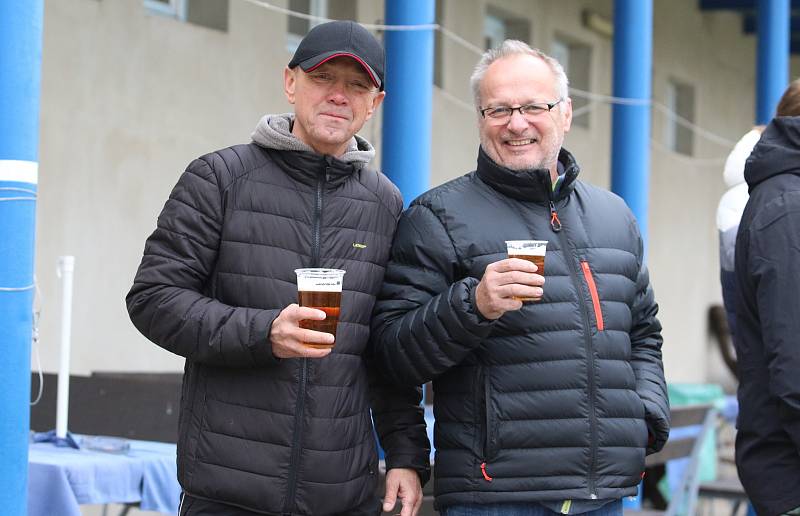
[212, 14]
[333, 9]
[679, 137]
[499, 26]
[576, 58]
[166, 7]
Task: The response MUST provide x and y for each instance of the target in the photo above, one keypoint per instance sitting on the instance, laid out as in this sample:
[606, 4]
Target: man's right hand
[288, 337]
[504, 280]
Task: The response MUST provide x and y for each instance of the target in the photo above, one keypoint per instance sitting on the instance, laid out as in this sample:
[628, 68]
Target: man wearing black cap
[269, 425]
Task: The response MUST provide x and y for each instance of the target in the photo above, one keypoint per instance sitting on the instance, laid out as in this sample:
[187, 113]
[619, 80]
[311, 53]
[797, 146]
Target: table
[61, 479]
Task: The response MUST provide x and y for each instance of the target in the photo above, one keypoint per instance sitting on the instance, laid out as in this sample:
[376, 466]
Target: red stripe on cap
[361, 61]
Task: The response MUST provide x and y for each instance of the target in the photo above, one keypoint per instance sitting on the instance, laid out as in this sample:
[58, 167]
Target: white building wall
[130, 98]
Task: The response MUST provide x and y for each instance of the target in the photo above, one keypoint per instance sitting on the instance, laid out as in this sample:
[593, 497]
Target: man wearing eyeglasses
[544, 406]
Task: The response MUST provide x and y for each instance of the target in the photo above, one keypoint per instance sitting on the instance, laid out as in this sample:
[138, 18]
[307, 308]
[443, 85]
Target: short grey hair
[513, 47]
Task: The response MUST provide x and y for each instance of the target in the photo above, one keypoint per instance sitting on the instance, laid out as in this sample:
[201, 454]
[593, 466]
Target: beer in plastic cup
[530, 250]
[320, 289]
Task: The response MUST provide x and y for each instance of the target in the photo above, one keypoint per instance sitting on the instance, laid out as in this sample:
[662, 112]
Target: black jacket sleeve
[425, 319]
[775, 256]
[167, 303]
[400, 423]
[646, 359]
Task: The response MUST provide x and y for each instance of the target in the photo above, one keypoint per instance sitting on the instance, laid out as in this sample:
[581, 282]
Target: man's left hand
[403, 483]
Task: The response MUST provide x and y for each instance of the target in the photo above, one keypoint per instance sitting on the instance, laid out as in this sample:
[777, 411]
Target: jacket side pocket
[598, 312]
[490, 437]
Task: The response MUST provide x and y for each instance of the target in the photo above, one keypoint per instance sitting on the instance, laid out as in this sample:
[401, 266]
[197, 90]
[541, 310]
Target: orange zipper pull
[554, 222]
[485, 475]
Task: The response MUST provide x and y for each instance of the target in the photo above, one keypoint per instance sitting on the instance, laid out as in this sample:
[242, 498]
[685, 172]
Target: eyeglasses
[504, 113]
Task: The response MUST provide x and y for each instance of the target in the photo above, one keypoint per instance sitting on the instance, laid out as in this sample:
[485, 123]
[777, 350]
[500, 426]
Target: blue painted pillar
[773, 56]
[630, 146]
[406, 143]
[20, 64]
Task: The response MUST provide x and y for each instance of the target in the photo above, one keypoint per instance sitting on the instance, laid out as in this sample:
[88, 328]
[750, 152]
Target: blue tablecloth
[61, 479]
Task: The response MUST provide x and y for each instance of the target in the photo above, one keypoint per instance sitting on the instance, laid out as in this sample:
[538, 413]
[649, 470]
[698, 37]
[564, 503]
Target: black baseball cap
[341, 38]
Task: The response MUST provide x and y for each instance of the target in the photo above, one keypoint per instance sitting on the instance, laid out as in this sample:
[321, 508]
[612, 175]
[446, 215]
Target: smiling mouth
[520, 143]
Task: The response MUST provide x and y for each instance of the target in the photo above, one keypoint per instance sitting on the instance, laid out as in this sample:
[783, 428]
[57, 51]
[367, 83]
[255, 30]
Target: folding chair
[689, 443]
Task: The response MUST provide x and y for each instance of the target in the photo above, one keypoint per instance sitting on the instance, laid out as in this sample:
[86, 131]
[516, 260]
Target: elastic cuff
[471, 286]
[260, 345]
[422, 467]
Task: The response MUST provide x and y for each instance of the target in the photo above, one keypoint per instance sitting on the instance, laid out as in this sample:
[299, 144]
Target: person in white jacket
[729, 212]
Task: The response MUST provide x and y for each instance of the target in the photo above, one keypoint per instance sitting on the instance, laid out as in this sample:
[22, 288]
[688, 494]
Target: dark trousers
[191, 506]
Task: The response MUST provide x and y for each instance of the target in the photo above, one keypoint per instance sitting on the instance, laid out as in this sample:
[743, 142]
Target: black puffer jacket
[550, 402]
[768, 342]
[275, 436]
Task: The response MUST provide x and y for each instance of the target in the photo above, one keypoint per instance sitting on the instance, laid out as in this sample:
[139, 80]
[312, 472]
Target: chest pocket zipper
[598, 312]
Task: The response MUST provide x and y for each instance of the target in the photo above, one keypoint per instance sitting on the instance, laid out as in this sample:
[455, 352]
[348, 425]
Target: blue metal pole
[406, 145]
[773, 56]
[20, 65]
[630, 147]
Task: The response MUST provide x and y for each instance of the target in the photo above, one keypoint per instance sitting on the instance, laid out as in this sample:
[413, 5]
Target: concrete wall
[129, 98]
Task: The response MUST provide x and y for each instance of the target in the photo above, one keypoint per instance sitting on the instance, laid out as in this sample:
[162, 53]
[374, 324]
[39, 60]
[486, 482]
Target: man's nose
[517, 122]
[337, 94]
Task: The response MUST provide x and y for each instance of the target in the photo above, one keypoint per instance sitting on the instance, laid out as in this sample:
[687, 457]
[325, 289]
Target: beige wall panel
[700, 50]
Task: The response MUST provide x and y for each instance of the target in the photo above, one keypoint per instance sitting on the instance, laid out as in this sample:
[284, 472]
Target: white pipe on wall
[66, 266]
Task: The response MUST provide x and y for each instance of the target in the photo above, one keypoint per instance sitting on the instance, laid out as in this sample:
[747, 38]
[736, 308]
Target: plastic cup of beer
[320, 289]
[530, 250]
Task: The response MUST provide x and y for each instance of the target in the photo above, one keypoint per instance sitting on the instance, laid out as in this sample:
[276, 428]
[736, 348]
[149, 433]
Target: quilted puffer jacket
[275, 436]
[554, 401]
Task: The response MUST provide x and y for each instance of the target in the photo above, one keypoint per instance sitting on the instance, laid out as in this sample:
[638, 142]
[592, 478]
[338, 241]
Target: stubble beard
[550, 158]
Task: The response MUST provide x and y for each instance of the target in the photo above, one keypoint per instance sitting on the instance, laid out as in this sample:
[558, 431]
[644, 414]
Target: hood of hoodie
[733, 173]
[777, 152]
[275, 132]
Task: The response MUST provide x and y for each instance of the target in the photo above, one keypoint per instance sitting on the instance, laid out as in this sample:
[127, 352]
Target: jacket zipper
[301, 391]
[296, 438]
[315, 242]
[573, 273]
[598, 313]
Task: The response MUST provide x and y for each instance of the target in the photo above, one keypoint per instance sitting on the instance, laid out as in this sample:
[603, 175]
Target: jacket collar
[528, 185]
[310, 167]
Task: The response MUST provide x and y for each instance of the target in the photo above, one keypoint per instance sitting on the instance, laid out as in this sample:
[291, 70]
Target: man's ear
[289, 83]
[375, 103]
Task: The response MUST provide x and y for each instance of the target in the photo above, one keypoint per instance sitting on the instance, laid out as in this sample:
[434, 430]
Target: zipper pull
[554, 222]
[485, 474]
